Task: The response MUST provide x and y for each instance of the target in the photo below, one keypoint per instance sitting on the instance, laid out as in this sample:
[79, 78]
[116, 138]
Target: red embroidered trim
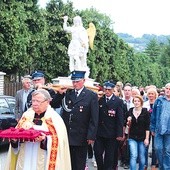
[54, 146]
[20, 123]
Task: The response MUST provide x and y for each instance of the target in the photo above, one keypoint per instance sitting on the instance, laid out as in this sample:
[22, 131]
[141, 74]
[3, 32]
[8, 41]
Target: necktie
[76, 93]
[107, 99]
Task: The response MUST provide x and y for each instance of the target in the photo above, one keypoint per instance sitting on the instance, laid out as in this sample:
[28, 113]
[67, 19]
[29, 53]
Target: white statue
[78, 47]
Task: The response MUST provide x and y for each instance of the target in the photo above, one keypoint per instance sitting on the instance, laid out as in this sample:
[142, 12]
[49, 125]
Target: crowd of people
[119, 122]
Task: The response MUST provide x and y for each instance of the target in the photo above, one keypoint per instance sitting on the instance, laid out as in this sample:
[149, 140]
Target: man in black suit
[80, 114]
[110, 129]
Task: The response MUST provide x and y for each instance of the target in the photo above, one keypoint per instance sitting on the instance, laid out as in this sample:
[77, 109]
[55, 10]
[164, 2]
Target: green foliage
[13, 36]
[140, 43]
[56, 58]
[165, 55]
[33, 38]
[21, 36]
[153, 50]
[101, 58]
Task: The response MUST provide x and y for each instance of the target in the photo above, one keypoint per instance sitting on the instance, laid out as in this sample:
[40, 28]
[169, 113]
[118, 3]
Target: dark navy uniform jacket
[81, 116]
[111, 117]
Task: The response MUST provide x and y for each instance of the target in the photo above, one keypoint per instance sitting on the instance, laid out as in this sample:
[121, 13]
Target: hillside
[140, 43]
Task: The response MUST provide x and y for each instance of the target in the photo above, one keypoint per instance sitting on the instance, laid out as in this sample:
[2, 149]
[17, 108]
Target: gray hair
[134, 89]
[168, 84]
[24, 79]
[44, 92]
[152, 90]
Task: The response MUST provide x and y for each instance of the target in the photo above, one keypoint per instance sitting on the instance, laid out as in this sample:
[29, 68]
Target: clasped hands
[40, 138]
[37, 139]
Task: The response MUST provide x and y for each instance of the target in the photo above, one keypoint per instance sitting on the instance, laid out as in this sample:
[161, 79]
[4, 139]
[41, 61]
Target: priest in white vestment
[46, 152]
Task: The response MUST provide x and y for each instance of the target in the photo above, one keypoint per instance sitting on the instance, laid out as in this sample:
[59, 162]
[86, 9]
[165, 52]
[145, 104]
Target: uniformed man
[110, 128]
[38, 81]
[80, 114]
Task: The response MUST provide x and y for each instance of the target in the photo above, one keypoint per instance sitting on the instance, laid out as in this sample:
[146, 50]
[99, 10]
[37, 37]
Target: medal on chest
[81, 108]
[111, 113]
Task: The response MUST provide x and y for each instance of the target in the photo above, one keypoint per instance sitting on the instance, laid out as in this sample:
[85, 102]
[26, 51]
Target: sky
[135, 17]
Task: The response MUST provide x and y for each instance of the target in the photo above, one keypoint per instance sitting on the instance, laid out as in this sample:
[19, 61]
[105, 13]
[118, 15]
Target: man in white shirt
[128, 95]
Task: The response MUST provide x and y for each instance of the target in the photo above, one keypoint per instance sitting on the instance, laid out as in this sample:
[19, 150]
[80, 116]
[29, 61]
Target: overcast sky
[135, 17]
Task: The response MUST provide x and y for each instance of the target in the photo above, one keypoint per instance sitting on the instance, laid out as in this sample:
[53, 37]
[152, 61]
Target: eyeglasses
[107, 89]
[37, 101]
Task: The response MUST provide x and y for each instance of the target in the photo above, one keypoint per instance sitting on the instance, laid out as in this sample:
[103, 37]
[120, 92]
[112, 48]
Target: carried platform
[66, 82]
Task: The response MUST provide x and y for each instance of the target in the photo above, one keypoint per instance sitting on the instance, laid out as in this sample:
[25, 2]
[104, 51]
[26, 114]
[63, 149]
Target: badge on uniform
[111, 113]
[81, 108]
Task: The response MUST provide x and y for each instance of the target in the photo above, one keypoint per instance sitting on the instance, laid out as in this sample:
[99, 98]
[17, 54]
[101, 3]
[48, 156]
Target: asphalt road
[91, 167]
[4, 149]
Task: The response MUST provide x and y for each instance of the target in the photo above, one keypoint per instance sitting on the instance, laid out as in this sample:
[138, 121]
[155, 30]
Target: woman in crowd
[138, 120]
[152, 96]
[118, 91]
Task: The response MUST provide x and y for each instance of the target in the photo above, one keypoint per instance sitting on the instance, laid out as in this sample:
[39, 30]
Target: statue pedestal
[67, 82]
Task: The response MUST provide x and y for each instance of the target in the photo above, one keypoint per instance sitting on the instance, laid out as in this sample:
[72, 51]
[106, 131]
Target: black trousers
[90, 151]
[78, 157]
[104, 151]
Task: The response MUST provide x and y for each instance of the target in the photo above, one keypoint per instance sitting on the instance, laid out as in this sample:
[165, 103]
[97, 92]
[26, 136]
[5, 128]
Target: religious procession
[77, 123]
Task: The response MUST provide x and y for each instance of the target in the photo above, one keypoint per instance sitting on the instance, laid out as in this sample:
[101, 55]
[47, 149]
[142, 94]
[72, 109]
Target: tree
[120, 62]
[153, 49]
[165, 56]
[55, 58]
[37, 30]
[103, 59]
[21, 36]
[33, 38]
[13, 36]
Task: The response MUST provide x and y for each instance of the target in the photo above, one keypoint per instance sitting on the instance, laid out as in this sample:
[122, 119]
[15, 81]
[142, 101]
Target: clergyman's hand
[40, 138]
